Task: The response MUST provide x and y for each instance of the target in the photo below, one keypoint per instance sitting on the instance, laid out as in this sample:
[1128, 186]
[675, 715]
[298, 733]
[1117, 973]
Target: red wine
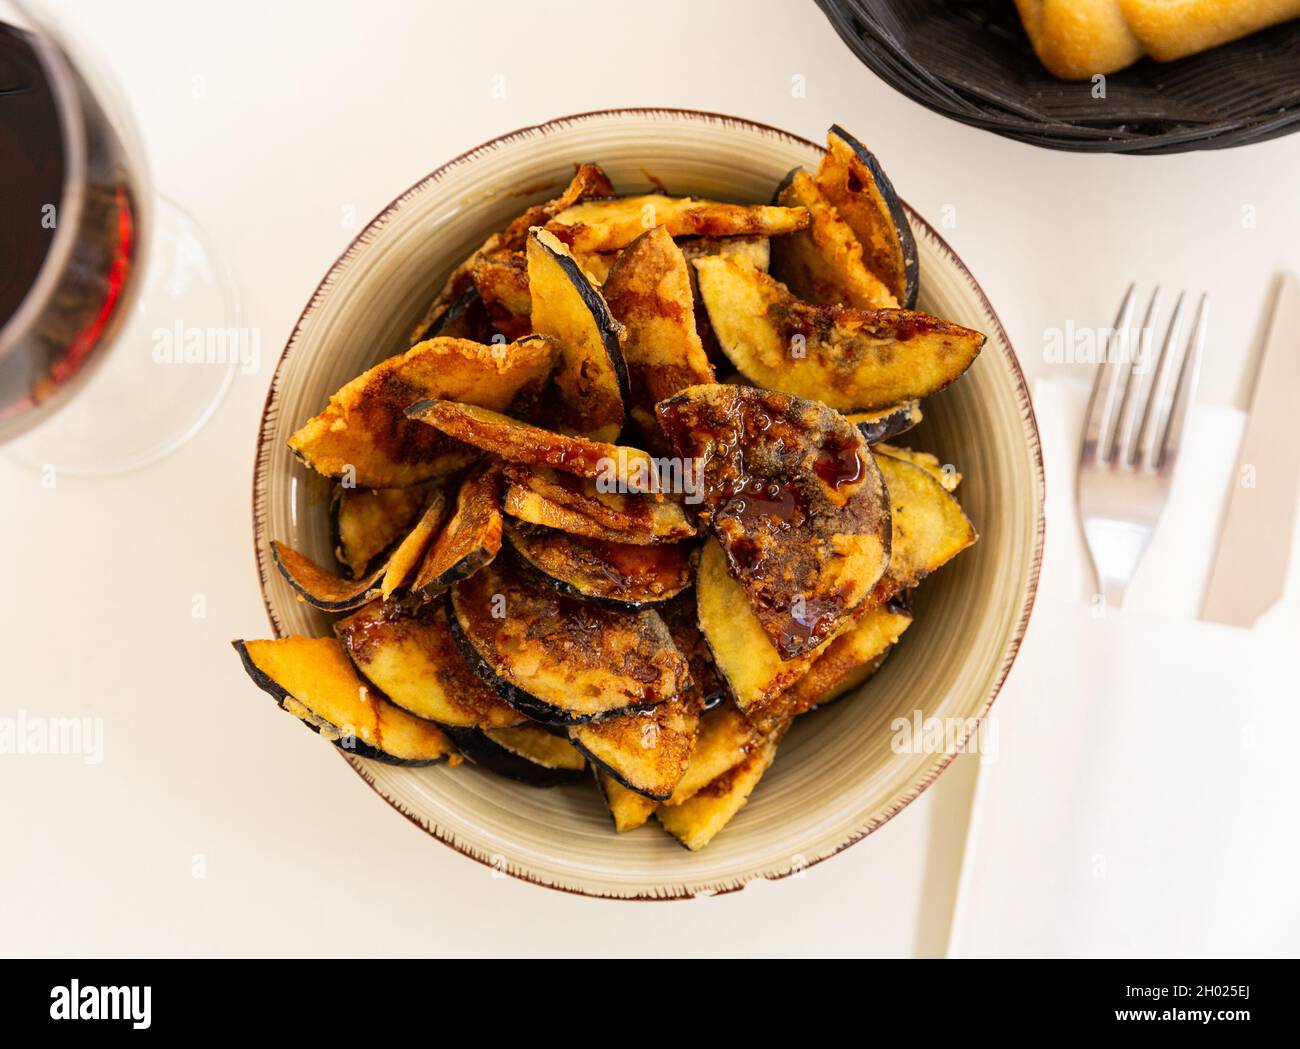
[68, 230]
[31, 157]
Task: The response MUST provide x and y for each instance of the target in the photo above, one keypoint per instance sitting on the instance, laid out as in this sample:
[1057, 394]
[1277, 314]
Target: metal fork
[1136, 419]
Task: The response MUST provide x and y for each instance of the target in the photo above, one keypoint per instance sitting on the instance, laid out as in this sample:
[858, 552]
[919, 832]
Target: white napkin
[1143, 794]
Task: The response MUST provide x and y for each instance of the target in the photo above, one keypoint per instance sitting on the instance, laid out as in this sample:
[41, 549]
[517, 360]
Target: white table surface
[273, 123]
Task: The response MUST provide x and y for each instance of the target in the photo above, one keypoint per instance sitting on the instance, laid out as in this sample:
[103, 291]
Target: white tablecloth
[215, 824]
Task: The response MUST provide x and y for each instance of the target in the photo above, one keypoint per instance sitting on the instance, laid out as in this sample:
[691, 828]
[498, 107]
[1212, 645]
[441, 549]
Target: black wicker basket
[971, 60]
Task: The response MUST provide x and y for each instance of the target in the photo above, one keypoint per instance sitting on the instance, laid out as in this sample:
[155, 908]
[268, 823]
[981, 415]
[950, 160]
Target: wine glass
[92, 258]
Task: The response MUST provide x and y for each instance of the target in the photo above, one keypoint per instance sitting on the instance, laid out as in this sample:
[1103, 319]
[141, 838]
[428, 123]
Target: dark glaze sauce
[790, 490]
[839, 461]
[31, 167]
[573, 634]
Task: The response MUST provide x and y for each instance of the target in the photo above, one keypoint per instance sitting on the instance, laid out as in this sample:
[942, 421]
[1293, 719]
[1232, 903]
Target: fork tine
[1162, 387]
[1185, 391]
[1137, 392]
[1099, 431]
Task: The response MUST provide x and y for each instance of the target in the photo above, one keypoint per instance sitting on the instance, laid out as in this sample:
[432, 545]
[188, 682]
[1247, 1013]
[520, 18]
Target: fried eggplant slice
[411, 658]
[683, 623]
[365, 523]
[649, 292]
[619, 517]
[697, 822]
[410, 551]
[329, 592]
[623, 468]
[823, 263]
[528, 506]
[754, 251]
[609, 225]
[858, 646]
[465, 318]
[929, 527]
[725, 738]
[621, 576]
[557, 660]
[524, 753]
[848, 359]
[853, 679]
[320, 587]
[883, 423]
[628, 808]
[591, 377]
[364, 434]
[646, 753]
[793, 496]
[946, 474]
[470, 539]
[588, 181]
[540, 746]
[312, 679]
[851, 178]
[751, 251]
[745, 658]
[502, 283]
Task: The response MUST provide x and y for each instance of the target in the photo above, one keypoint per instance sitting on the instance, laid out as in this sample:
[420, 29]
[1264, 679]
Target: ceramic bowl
[838, 775]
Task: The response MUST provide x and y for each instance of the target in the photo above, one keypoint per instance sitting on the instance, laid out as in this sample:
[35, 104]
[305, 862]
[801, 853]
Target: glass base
[171, 363]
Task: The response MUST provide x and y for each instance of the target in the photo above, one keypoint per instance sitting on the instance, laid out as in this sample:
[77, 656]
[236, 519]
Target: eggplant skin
[479, 749]
[608, 327]
[784, 184]
[884, 423]
[277, 692]
[592, 382]
[321, 588]
[465, 318]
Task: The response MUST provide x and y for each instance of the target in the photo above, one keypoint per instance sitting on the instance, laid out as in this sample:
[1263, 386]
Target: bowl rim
[1029, 424]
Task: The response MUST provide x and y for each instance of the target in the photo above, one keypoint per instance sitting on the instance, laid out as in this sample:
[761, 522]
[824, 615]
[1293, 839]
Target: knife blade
[1250, 566]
